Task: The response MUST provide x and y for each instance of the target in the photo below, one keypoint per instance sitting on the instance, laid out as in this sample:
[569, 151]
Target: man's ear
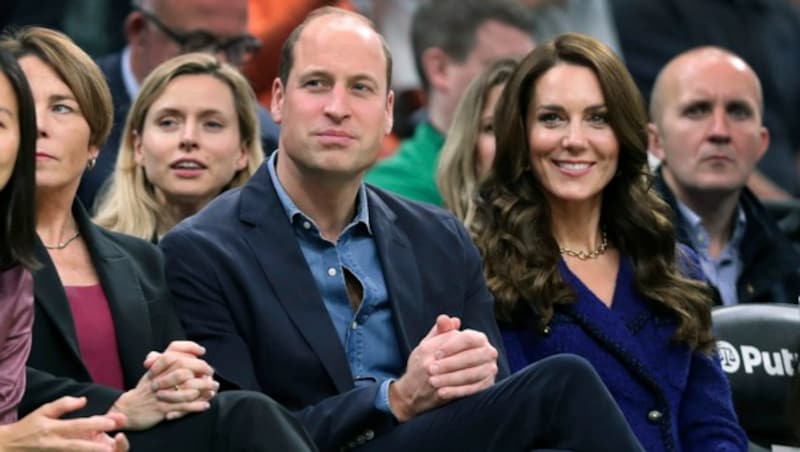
[764, 142]
[389, 112]
[276, 107]
[654, 142]
[435, 63]
[135, 24]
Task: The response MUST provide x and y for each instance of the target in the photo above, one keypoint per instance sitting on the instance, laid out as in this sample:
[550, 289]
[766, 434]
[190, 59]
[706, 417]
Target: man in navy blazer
[158, 30]
[365, 313]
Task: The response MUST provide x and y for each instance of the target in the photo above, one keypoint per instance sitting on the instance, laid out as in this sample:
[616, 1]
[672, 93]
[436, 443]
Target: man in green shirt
[454, 40]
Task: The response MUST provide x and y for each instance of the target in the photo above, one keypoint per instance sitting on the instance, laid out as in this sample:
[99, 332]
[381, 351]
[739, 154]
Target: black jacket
[770, 263]
[131, 273]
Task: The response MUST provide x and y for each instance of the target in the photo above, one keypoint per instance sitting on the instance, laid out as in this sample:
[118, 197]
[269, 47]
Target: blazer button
[654, 416]
[546, 330]
[369, 434]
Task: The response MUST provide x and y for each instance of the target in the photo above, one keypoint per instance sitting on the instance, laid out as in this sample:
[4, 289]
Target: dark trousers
[558, 403]
[237, 421]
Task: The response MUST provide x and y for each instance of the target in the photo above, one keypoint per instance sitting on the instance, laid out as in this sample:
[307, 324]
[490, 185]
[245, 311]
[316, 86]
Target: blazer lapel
[609, 328]
[50, 296]
[401, 274]
[276, 249]
[126, 300]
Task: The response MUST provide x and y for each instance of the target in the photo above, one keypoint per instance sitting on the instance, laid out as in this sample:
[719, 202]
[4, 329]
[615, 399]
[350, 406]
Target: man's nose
[720, 128]
[338, 106]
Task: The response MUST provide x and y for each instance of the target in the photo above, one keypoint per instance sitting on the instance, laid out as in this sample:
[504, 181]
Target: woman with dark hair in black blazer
[41, 429]
[103, 312]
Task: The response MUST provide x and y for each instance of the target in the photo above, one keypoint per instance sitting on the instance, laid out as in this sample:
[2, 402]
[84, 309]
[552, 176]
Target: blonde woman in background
[191, 133]
[468, 152]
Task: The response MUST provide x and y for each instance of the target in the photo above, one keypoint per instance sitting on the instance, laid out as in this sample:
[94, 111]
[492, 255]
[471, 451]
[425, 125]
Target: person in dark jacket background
[707, 110]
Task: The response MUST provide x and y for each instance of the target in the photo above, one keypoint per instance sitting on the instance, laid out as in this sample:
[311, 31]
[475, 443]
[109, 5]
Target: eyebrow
[561, 107]
[351, 78]
[181, 112]
[62, 97]
[314, 73]
[740, 103]
[359, 77]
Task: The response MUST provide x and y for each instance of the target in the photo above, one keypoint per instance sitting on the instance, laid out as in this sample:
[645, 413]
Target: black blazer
[244, 291]
[771, 265]
[131, 274]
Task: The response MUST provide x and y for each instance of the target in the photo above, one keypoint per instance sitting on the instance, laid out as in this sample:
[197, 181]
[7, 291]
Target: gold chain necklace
[64, 244]
[591, 254]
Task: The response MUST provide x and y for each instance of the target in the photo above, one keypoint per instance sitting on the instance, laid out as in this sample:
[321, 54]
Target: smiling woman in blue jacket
[581, 256]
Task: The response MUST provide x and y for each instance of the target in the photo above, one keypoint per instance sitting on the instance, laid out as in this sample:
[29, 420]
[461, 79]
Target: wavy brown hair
[512, 223]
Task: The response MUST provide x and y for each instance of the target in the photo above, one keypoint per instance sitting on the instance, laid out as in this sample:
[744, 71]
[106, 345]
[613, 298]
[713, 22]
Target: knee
[562, 370]
[569, 364]
[564, 363]
[544, 385]
[234, 404]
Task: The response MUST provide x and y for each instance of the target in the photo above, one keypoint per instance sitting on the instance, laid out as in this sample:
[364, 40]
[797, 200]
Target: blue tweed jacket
[673, 398]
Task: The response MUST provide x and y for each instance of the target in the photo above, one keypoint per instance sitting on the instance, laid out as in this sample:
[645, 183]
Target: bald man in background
[707, 112]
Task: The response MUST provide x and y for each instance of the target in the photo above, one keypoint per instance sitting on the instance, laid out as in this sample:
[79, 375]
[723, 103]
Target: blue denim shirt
[368, 335]
[724, 272]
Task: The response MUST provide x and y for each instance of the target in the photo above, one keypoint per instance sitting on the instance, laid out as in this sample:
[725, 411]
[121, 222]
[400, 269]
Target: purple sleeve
[707, 419]
[16, 322]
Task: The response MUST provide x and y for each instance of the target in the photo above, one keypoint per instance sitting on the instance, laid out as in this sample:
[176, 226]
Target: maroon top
[97, 338]
[16, 322]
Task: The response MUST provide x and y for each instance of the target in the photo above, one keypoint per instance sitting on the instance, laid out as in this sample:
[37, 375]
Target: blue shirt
[724, 271]
[367, 335]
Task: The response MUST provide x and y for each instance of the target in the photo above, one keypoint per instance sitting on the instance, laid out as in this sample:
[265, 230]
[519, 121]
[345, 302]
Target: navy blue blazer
[674, 399]
[244, 291]
[92, 181]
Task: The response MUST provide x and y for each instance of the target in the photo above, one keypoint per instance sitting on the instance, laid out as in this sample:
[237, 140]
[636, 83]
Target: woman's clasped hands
[178, 382]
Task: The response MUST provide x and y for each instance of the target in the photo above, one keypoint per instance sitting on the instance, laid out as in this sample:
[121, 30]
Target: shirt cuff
[382, 397]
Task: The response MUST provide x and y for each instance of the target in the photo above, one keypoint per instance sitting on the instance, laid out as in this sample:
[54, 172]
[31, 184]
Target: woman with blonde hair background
[191, 133]
[468, 152]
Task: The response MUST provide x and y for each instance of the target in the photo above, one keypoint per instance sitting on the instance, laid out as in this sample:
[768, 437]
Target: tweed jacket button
[654, 416]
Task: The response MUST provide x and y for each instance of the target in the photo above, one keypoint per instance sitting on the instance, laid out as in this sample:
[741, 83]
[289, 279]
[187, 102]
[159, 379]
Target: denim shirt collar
[293, 212]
